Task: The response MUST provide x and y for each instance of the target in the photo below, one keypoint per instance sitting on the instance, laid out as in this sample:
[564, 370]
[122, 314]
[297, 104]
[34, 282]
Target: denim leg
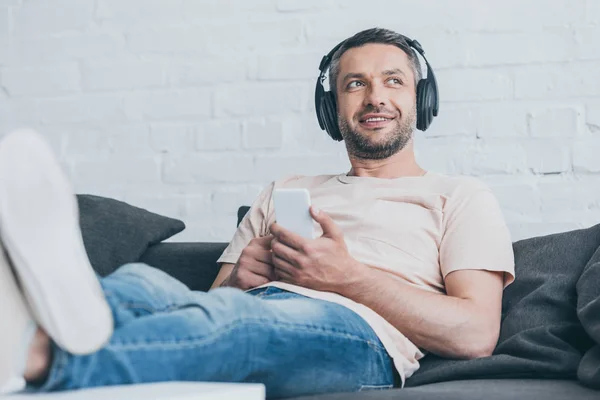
[165, 332]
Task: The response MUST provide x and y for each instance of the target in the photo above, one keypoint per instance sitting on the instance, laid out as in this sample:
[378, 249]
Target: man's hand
[254, 267]
[320, 264]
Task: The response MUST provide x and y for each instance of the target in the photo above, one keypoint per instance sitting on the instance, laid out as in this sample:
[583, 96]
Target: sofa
[549, 345]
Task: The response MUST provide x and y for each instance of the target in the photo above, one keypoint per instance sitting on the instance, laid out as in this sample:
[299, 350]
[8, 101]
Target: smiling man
[406, 262]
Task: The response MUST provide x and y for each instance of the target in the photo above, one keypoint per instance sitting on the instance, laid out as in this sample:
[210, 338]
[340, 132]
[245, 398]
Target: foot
[18, 327]
[39, 228]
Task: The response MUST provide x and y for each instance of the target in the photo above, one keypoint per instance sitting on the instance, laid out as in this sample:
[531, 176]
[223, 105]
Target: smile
[375, 122]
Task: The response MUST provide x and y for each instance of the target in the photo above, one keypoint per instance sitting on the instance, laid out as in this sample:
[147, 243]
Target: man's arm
[223, 274]
[464, 323]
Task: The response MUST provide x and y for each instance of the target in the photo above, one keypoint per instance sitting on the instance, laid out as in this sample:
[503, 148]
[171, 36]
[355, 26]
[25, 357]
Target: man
[408, 262]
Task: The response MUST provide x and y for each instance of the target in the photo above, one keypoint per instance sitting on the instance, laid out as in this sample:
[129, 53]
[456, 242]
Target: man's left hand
[320, 264]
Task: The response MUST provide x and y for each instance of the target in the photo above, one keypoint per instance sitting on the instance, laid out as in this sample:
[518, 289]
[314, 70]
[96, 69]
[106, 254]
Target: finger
[283, 267]
[330, 229]
[253, 281]
[287, 237]
[260, 254]
[260, 268]
[285, 252]
[284, 277]
[264, 241]
[282, 272]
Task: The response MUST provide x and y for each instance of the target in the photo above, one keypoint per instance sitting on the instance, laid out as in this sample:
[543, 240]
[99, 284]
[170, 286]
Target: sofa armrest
[194, 264]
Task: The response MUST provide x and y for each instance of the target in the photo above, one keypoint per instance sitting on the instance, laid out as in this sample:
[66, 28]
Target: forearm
[444, 325]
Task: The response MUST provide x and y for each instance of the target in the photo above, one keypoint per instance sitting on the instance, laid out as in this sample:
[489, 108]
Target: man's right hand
[254, 267]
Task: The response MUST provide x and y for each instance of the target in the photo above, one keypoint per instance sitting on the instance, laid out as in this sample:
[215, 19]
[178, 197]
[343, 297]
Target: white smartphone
[292, 211]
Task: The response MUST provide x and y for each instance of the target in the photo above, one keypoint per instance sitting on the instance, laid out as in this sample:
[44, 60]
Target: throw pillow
[541, 335]
[116, 233]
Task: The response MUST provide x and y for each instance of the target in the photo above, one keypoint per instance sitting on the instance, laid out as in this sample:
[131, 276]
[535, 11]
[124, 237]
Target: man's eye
[354, 84]
[396, 81]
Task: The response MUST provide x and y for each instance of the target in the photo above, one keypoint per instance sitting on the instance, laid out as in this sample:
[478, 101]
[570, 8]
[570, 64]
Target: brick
[518, 199]
[218, 135]
[585, 155]
[82, 109]
[499, 48]
[87, 141]
[127, 139]
[84, 141]
[501, 16]
[275, 167]
[263, 134]
[287, 66]
[592, 115]
[168, 105]
[4, 49]
[452, 121]
[502, 120]
[227, 199]
[47, 80]
[436, 49]
[126, 75]
[168, 41]
[173, 137]
[548, 156]
[18, 112]
[493, 157]
[4, 21]
[206, 71]
[257, 100]
[254, 35]
[586, 42]
[222, 229]
[561, 193]
[135, 11]
[208, 168]
[143, 13]
[474, 85]
[305, 5]
[554, 122]
[116, 173]
[39, 18]
[197, 206]
[65, 47]
[592, 12]
[442, 154]
[303, 133]
[548, 82]
[172, 206]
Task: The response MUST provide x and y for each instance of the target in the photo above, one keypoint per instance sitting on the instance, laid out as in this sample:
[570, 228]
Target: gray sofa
[549, 346]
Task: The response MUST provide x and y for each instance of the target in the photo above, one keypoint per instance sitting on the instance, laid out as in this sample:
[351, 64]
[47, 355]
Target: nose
[375, 96]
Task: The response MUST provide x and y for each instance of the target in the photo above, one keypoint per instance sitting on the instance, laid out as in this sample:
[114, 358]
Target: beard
[367, 147]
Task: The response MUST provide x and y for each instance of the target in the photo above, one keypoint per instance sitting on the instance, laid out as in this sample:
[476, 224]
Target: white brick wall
[190, 107]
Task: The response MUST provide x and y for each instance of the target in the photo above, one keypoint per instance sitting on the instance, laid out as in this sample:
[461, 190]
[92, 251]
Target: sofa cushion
[541, 335]
[488, 389]
[115, 233]
[588, 310]
[194, 264]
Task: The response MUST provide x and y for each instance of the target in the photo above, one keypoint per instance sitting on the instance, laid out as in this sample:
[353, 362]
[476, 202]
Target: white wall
[189, 107]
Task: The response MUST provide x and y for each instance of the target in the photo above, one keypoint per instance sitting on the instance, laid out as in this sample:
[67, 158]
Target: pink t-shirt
[417, 229]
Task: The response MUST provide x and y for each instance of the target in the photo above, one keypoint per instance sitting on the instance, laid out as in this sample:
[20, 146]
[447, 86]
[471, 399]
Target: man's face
[376, 100]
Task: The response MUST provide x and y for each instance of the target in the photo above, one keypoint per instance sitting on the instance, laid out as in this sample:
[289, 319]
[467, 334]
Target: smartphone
[292, 211]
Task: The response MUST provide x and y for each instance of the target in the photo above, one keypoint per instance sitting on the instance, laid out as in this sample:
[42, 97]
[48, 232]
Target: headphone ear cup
[425, 104]
[330, 117]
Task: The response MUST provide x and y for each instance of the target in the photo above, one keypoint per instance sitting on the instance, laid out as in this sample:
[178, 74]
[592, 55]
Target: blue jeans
[164, 332]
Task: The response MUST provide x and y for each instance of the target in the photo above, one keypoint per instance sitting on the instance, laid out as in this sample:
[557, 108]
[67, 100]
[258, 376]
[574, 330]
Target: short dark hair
[373, 35]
